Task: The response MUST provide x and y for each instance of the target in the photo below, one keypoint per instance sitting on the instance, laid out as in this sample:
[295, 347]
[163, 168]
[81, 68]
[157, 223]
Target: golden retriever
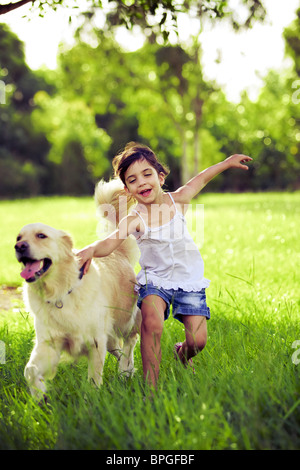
[89, 314]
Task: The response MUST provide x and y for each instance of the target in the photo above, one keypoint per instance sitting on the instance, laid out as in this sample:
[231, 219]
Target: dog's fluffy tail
[112, 201]
[113, 204]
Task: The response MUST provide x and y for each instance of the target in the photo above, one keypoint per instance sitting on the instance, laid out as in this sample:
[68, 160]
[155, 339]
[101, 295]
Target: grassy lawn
[246, 390]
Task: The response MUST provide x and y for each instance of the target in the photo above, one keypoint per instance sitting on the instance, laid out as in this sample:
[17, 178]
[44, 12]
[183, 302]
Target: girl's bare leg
[195, 337]
[152, 308]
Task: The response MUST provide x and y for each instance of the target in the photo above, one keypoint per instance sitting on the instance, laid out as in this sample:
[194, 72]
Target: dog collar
[59, 303]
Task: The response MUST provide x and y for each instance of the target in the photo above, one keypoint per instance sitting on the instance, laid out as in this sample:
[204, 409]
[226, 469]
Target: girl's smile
[145, 193]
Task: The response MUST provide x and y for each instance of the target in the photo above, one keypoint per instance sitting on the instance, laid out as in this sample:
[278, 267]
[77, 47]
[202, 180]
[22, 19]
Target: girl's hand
[85, 257]
[237, 161]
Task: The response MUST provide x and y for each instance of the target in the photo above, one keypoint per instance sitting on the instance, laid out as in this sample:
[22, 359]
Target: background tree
[155, 94]
[100, 97]
[65, 122]
[292, 38]
[23, 152]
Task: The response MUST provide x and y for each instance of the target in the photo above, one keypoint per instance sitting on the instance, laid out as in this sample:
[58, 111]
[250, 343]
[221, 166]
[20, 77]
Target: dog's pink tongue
[31, 269]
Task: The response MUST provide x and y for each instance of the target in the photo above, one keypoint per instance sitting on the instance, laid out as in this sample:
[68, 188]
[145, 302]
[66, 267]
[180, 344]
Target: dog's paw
[127, 373]
[44, 401]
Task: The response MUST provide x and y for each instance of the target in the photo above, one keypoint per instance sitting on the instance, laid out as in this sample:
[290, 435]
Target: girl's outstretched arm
[105, 247]
[186, 193]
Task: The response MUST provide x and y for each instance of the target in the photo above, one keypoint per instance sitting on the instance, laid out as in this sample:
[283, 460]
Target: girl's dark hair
[133, 152]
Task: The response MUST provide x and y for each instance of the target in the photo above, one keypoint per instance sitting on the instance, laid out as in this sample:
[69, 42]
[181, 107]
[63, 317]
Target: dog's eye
[19, 238]
[41, 235]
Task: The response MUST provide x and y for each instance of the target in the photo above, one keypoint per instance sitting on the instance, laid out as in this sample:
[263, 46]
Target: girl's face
[143, 182]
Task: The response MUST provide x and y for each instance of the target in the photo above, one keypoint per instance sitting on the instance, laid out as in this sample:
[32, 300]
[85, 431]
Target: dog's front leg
[126, 364]
[41, 366]
[96, 361]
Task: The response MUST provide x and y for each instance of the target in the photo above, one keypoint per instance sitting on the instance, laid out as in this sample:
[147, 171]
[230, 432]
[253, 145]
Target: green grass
[246, 391]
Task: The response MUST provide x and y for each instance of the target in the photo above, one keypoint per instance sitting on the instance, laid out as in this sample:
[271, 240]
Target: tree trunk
[198, 104]
[184, 161]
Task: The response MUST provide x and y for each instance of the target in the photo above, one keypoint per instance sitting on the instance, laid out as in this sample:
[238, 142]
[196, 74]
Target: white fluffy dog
[87, 315]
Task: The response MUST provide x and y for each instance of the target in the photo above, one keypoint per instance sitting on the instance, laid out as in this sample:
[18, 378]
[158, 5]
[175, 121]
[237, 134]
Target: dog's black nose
[21, 247]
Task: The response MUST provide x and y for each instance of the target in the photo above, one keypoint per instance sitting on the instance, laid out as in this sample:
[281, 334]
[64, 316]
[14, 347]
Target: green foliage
[40, 130]
[60, 129]
[246, 390]
[292, 38]
[267, 130]
[278, 145]
[23, 151]
[65, 121]
[156, 17]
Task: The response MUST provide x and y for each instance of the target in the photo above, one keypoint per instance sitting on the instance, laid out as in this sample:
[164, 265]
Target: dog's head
[39, 247]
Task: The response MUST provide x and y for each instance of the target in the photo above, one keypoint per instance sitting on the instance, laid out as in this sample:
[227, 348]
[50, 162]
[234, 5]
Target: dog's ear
[66, 241]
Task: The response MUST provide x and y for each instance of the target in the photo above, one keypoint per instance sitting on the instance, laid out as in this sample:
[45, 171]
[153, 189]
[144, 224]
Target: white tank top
[169, 256]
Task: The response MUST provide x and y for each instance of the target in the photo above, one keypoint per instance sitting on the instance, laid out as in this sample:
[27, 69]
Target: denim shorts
[183, 303]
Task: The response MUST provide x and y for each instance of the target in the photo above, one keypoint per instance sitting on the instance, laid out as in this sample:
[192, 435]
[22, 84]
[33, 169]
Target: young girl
[172, 271]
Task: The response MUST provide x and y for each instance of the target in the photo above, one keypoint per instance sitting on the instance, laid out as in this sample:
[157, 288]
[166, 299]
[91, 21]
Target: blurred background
[195, 80]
